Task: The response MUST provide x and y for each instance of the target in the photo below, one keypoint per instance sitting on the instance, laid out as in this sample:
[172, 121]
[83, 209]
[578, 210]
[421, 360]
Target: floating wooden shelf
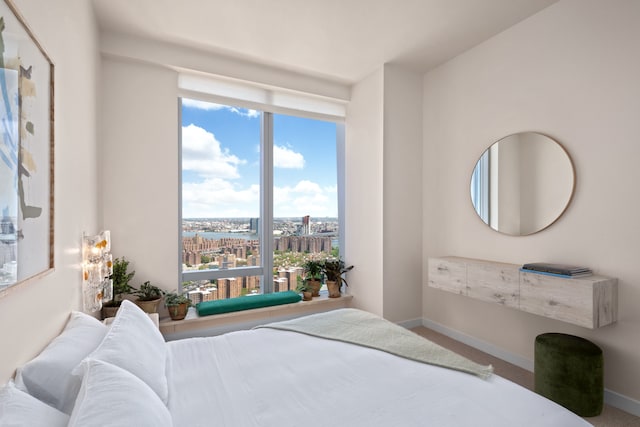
[590, 301]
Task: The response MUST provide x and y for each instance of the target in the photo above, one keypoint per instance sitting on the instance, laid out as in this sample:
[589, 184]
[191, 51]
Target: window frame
[265, 270]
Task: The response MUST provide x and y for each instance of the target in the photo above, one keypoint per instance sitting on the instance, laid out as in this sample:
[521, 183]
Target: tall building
[200, 295]
[251, 283]
[313, 244]
[306, 225]
[240, 251]
[280, 284]
[226, 261]
[235, 287]
[254, 225]
[291, 275]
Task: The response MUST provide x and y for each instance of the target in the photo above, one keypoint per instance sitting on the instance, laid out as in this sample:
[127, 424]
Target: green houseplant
[148, 297]
[121, 277]
[313, 275]
[304, 289]
[177, 305]
[333, 269]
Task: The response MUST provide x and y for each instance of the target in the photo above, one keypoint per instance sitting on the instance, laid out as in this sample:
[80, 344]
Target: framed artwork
[26, 152]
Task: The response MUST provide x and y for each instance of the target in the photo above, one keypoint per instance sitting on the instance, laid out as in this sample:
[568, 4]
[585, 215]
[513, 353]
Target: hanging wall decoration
[97, 268]
[26, 152]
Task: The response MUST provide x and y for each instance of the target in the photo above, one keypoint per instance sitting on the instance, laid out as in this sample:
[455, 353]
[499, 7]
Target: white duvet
[272, 378]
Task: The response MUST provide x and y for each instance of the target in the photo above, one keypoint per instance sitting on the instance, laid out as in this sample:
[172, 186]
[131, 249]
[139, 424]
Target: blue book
[564, 276]
[567, 270]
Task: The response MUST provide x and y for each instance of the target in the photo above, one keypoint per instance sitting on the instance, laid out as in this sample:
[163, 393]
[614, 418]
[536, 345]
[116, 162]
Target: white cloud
[245, 112]
[210, 106]
[333, 189]
[307, 187]
[202, 153]
[201, 105]
[305, 198]
[217, 197]
[286, 158]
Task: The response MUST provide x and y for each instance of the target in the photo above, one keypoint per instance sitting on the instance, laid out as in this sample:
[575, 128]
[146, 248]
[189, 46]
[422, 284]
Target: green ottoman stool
[569, 371]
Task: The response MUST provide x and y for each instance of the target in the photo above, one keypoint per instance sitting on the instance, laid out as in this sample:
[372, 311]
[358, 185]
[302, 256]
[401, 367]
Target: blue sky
[221, 171]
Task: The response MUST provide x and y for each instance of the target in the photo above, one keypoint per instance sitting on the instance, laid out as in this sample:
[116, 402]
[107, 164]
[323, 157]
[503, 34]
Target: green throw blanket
[360, 327]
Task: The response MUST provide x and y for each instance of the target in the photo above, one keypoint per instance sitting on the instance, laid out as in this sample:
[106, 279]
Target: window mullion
[180, 277]
[266, 200]
[340, 161]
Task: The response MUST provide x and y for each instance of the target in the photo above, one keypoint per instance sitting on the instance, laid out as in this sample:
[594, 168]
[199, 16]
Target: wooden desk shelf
[590, 302]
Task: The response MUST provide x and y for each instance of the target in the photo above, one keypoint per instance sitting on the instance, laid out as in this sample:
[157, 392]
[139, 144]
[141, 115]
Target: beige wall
[402, 211]
[363, 192]
[33, 313]
[383, 193]
[547, 178]
[573, 72]
[139, 146]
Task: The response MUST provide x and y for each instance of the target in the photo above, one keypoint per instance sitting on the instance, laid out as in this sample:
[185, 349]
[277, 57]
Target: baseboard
[408, 324]
[622, 402]
[611, 398]
[484, 346]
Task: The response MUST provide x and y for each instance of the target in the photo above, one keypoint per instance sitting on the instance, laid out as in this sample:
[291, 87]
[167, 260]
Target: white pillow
[134, 344]
[111, 396]
[48, 376]
[18, 409]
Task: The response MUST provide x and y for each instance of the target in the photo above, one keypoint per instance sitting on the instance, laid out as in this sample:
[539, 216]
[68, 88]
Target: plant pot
[315, 286]
[109, 311]
[307, 296]
[178, 312]
[334, 289]
[149, 306]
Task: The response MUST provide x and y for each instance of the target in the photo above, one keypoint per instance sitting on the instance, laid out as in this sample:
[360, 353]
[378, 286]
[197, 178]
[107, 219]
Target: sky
[221, 163]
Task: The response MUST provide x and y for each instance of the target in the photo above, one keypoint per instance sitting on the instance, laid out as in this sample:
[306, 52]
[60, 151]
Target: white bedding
[273, 378]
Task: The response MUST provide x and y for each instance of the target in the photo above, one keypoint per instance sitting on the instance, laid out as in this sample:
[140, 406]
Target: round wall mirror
[522, 183]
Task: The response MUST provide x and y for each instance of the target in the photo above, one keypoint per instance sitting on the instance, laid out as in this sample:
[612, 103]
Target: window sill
[194, 325]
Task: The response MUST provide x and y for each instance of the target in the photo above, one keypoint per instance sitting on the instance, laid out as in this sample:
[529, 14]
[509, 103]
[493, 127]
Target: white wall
[364, 192]
[33, 313]
[509, 188]
[185, 58]
[402, 174]
[547, 182]
[573, 72]
[383, 193]
[139, 147]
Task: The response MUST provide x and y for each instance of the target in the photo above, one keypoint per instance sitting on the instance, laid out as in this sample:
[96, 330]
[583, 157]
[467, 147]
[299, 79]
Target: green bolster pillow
[246, 303]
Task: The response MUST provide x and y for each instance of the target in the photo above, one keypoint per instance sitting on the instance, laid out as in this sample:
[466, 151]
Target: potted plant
[121, 278]
[313, 275]
[148, 297]
[304, 289]
[333, 269]
[177, 304]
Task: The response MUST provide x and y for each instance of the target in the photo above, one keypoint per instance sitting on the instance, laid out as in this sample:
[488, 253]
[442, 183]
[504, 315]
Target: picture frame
[26, 152]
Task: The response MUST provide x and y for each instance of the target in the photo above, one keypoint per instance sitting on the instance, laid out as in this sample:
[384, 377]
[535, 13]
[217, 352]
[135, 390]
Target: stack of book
[556, 269]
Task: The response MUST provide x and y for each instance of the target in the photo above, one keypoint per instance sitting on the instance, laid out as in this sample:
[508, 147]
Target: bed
[283, 374]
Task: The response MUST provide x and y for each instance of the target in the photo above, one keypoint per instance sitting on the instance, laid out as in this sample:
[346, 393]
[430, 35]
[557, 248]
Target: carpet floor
[610, 417]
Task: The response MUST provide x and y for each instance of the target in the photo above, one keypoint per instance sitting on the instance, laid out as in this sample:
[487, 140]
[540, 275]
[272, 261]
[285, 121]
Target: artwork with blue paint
[26, 151]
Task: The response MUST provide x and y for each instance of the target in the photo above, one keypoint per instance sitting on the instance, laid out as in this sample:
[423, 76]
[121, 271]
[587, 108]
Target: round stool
[569, 371]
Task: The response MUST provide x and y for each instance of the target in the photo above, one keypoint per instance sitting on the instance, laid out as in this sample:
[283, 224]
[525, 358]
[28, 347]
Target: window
[259, 196]
[480, 187]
